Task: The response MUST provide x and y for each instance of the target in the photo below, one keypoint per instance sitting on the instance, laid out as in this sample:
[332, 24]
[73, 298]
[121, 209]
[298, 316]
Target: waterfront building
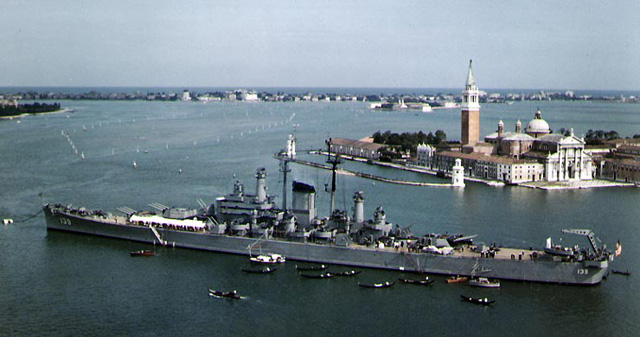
[356, 148]
[622, 163]
[425, 154]
[248, 96]
[499, 168]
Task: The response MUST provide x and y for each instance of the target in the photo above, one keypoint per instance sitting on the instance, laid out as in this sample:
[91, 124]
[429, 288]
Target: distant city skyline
[572, 45]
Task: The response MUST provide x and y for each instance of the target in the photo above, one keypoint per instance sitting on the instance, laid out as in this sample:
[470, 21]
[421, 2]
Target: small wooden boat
[457, 279]
[259, 271]
[143, 253]
[424, 282]
[483, 301]
[310, 268]
[484, 282]
[268, 258]
[323, 275]
[348, 273]
[386, 284]
[225, 294]
[619, 272]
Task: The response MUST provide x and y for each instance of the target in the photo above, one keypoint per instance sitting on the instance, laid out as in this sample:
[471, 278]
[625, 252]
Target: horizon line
[297, 87]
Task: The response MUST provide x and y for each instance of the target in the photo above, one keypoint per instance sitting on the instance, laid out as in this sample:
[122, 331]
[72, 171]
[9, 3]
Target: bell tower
[470, 111]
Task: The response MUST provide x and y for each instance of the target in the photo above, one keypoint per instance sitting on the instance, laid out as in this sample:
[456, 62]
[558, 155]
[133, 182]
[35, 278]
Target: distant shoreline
[390, 95]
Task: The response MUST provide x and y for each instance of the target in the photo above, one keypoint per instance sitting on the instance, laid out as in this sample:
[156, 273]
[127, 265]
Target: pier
[370, 176]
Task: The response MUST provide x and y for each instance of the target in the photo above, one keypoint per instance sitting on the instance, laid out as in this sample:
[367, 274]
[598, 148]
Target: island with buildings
[530, 156]
[423, 99]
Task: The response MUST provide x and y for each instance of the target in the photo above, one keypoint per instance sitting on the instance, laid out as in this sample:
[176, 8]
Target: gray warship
[252, 224]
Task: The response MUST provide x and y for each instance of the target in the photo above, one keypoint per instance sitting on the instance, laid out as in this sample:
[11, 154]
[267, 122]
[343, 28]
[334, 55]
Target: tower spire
[471, 81]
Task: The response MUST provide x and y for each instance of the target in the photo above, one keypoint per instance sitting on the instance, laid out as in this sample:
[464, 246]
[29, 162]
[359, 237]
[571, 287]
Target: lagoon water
[60, 284]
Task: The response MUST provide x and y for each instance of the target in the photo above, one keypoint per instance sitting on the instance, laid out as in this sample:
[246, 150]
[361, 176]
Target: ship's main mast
[334, 161]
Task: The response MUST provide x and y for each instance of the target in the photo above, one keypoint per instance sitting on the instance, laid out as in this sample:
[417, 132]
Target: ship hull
[355, 255]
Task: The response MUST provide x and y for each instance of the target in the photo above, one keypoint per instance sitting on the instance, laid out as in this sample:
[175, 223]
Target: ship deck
[465, 251]
[468, 252]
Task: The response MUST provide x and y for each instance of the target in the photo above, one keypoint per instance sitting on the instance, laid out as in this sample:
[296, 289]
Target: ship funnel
[358, 207]
[261, 190]
[304, 203]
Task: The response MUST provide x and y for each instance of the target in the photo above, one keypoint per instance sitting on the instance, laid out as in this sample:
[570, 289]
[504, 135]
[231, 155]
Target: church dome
[537, 125]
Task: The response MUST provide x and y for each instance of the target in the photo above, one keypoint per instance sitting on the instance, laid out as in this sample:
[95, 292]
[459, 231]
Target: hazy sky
[288, 43]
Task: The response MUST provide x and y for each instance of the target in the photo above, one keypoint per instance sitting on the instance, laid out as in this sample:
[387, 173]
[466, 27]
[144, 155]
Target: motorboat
[143, 253]
[268, 258]
[557, 249]
[457, 279]
[484, 282]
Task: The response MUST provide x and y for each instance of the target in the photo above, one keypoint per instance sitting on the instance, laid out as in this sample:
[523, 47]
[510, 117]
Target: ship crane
[584, 232]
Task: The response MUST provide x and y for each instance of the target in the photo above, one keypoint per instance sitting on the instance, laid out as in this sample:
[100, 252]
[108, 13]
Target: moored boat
[322, 275]
[310, 268]
[268, 258]
[424, 282]
[143, 252]
[620, 272]
[457, 279]
[484, 282]
[483, 301]
[347, 273]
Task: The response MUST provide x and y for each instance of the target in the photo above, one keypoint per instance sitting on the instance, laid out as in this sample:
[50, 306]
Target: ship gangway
[155, 232]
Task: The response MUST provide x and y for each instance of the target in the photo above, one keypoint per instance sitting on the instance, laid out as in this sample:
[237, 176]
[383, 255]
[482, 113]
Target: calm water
[65, 284]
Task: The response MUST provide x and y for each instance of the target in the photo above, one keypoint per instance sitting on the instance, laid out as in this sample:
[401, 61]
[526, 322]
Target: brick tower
[470, 132]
